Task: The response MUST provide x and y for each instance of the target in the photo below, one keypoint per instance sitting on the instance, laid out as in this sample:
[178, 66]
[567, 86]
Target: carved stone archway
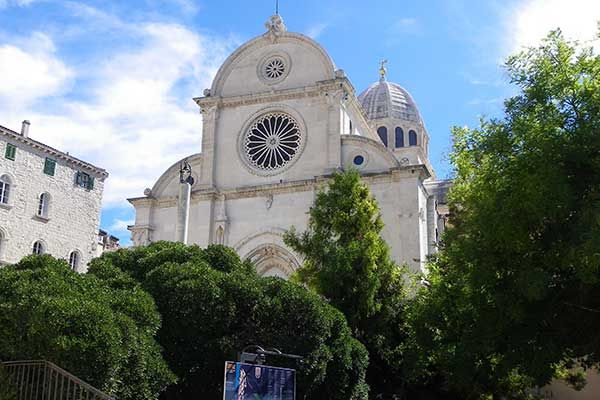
[273, 260]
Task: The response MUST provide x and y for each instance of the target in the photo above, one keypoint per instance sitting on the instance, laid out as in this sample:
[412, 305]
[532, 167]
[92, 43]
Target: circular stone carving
[274, 68]
[272, 142]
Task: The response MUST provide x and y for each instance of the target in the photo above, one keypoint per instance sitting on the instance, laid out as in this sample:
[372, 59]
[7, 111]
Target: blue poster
[258, 382]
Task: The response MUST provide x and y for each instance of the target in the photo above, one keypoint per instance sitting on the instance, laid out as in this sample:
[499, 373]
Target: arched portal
[273, 260]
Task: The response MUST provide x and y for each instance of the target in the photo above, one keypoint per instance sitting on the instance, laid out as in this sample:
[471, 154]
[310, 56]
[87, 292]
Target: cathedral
[278, 121]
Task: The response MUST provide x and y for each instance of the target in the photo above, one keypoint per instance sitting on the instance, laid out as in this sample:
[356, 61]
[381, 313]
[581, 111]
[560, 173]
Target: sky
[112, 81]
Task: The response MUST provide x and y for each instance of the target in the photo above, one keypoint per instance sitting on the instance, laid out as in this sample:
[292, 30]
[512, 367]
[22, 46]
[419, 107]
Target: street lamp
[258, 356]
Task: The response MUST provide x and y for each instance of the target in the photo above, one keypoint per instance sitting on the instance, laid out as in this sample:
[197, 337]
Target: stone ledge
[41, 218]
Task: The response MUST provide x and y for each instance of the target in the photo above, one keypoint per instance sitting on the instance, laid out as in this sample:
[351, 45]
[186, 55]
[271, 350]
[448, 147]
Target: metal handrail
[43, 380]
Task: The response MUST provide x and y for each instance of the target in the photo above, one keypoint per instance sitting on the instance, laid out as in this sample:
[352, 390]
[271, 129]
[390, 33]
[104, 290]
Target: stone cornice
[71, 161]
[392, 175]
[141, 201]
[269, 96]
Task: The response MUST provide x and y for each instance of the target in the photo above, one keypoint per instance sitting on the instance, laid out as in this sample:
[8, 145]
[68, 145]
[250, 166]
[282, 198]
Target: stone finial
[275, 27]
[340, 73]
[147, 192]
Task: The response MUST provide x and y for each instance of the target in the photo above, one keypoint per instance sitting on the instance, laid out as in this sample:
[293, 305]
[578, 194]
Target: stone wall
[73, 214]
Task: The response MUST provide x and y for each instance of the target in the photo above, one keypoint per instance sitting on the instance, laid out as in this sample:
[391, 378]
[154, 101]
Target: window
[399, 137]
[74, 260]
[43, 204]
[272, 141]
[412, 138]
[359, 160]
[11, 151]
[2, 244]
[274, 68]
[382, 132]
[4, 189]
[38, 248]
[49, 166]
[84, 180]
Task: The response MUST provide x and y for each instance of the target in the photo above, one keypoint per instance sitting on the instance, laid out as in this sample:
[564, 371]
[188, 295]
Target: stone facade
[70, 219]
[278, 120]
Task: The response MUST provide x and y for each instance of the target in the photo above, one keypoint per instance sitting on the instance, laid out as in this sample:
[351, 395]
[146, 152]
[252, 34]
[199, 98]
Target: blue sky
[111, 81]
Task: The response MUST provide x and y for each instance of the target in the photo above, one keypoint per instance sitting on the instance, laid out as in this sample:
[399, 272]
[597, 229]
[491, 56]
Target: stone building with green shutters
[49, 201]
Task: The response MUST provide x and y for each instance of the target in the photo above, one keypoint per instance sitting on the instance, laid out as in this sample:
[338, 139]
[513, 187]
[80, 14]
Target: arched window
[43, 205]
[5, 183]
[399, 137]
[382, 132]
[2, 244]
[412, 138]
[74, 258]
[38, 248]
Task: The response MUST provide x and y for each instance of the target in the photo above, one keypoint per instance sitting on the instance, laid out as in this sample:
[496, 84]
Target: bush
[213, 305]
[102, 334]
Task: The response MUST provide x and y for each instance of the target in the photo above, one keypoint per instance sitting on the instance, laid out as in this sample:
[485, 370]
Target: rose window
[274, 68]
[272, 141]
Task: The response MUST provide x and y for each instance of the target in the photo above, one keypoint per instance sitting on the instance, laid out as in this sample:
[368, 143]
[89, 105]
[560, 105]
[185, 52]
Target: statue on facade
[275, 27]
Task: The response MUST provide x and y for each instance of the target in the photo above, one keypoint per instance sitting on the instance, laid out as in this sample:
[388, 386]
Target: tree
[347, 262]
[101, 334]
[213, 305]
[8, 391]
[514, 292]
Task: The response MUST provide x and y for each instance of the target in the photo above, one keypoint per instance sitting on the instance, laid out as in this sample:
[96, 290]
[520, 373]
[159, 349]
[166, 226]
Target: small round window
[273, 69]
[359, 160]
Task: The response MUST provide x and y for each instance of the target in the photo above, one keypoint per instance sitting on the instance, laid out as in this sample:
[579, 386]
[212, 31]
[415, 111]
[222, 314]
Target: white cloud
[30, 71]
[407, 25]
[187, 6]
[120, 225]
[20, 3]
[531, 20]
[134, 116]
[316, 30]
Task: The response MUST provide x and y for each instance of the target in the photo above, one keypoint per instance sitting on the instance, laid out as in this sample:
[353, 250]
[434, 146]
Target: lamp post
[186, 180]
[259, 355]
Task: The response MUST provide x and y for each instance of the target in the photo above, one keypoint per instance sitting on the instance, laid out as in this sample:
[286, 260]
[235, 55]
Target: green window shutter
[49, 166]
[90, 184]
[80, 179]
[11, 151]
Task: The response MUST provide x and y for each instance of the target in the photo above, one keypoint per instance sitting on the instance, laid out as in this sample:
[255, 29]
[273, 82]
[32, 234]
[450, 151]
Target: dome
[385, 99]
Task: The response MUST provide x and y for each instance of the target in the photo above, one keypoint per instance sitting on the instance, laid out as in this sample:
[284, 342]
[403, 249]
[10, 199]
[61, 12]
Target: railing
[42, 380]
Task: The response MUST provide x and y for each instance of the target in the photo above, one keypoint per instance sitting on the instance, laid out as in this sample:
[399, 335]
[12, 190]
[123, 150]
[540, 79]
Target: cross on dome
[383, 69]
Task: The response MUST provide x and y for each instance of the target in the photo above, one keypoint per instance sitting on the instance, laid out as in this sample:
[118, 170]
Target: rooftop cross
[383, 69]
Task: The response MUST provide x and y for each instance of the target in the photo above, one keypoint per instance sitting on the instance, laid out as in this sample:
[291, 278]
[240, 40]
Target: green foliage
[347, 262]
[101, 334]
[7, 390]
[213, 305]
[514, 291]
